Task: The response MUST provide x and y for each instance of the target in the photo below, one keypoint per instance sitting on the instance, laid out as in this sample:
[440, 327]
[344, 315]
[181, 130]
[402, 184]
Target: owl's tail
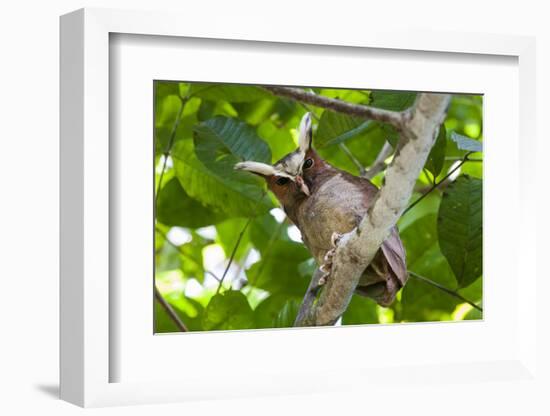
[387, 272]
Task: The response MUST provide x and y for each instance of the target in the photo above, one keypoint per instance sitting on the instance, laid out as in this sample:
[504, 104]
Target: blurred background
[226, 256]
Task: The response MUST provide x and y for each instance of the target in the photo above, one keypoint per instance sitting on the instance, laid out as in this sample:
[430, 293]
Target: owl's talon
[325, 268]
[322, 281]
[329, 256]
[335, 238]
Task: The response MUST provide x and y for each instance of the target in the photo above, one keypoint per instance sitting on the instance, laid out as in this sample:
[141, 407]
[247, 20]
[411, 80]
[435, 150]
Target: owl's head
[290, 178]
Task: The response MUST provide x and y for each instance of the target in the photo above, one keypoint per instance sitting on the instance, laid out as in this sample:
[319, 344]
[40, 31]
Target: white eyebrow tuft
[304, 137]
[256, 167]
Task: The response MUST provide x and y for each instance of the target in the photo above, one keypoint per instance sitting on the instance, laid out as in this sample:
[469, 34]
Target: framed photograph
[282, 213]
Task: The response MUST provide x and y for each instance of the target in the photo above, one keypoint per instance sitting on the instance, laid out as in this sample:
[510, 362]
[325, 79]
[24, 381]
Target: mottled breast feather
[338, 203]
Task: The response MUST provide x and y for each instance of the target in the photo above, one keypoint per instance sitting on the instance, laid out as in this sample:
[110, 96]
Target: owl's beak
[303, 187]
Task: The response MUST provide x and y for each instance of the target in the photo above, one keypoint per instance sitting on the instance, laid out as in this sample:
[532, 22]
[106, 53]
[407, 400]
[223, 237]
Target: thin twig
[309, 110]
[232, 257]
[351, 157]
[456, 158]
[169, 145]
[237, 243]
[392, 117]
[170, 311]
[444, 289]
[435, 185]
[304, 318]
[379, 163]
[184, 254]
[267, 250]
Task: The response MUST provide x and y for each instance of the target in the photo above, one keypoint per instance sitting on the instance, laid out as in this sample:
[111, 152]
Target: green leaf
[287, 315]
[255, 112]
[236, 193]
[279, 139]
[229, 310]
[228, 92]
[474, 314]
[277, 271]
[191, 257]
[420, 301]
[460, 229]
[392, 100]
[268, 310]
[264, 229]
[188, 310]
[336, 128]
[169, 258]
[360, 310]
[167, 109]
[436, 158]
[465, 143]
[221, 142]
[176, 208]
[365, 147]
[228, 234]
[351, 96]
[163, 322]
[168, 102]
[285, 109]
[474, 292]
[307, 267]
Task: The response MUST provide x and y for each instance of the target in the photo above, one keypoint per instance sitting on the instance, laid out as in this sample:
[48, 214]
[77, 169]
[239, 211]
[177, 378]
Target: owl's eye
[308, 163]
[282, 181]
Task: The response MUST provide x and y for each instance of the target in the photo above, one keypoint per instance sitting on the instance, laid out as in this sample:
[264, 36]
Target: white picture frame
[87, 356]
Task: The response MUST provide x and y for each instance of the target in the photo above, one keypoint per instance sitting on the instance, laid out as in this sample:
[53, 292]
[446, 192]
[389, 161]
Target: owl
[325, 202]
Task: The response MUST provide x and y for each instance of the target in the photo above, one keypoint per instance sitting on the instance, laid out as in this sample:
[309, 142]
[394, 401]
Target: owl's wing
[394, 252]
[392, 247]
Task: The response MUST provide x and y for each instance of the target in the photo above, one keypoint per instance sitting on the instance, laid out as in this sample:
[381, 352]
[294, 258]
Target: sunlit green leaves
[228, 92]
[460, 228]
[228, 233]
[268, 310]
[167, 112]
[264, 230]
[336, 128]
[278, 138]
[192, 258]
[365, 147]
[236, 194]
[436, 158]
[287, 315]
[277, 271]
[392, 100]
[228, 310]
[188, 310]
[223, 139]
[176, 208]
[360, 311]
[420, 301]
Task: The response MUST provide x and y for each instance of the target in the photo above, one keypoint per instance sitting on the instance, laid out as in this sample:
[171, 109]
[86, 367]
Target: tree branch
[392, 117]
[436, 184]
[379, 163]
[169, 145]
[358, 247]
[170, 311]
[353, 159]
[445, 289]
[304, 317]
[232, 257]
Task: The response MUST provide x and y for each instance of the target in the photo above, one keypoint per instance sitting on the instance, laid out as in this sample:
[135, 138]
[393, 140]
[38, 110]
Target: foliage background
[205, 210]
